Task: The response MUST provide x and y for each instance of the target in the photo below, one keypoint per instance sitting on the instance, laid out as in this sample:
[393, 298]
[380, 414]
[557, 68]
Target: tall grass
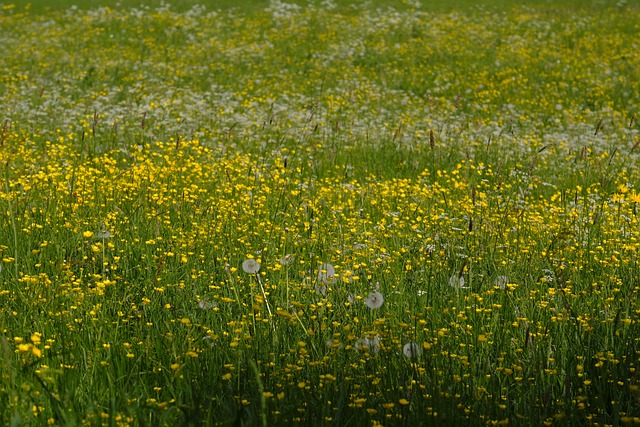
[306, 215]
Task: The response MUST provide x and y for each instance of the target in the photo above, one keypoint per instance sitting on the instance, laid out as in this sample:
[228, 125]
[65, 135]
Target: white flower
[374, 300]
[321, 289]
[250, 266]
[371, 344]
[103, 234]
[457, 281]
[326, 273]
[411, 350]
[501, 282]
[207, 305]
[287, 259]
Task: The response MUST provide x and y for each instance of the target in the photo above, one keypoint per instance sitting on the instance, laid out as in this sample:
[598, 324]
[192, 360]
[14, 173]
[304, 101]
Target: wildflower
[548, 277]
[369, 344]
[326, 273]
[103, 234]
[457, 281]
[501, 282]
[411, 350]
[207, 305]
[374, 300]
[287, 259]
[321, 289]
[250, 266]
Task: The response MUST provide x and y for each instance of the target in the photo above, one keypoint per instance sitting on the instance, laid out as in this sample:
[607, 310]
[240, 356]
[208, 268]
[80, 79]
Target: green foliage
[440, 202]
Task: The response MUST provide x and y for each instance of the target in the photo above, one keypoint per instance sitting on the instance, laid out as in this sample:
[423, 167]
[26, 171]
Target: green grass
[442, 201]
[255, 5]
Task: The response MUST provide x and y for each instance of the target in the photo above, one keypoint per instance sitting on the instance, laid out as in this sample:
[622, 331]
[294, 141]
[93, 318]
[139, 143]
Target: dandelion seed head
[501, 282]
[369, 343]
[457, 281]
[207, 305]
[411, 350]
[374, 300]
[326, 273]
[250, 266]
[321, 289]
[287, 259]
[103, 234]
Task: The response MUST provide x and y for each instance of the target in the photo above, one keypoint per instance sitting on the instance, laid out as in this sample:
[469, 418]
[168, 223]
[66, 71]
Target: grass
[441, 206]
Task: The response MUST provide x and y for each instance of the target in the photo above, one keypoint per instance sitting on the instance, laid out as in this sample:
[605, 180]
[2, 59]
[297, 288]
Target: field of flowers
[320, 215]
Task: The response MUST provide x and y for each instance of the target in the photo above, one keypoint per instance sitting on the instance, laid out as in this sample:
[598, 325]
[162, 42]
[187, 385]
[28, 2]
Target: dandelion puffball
[374, 300]
[371, 344]
[250, 266]
[207, 304]
[326, 272]
[287, 259]
[501, 282]
[456, 281]
[411, 350]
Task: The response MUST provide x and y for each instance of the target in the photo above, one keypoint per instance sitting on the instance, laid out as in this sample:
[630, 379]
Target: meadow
[320, 213]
